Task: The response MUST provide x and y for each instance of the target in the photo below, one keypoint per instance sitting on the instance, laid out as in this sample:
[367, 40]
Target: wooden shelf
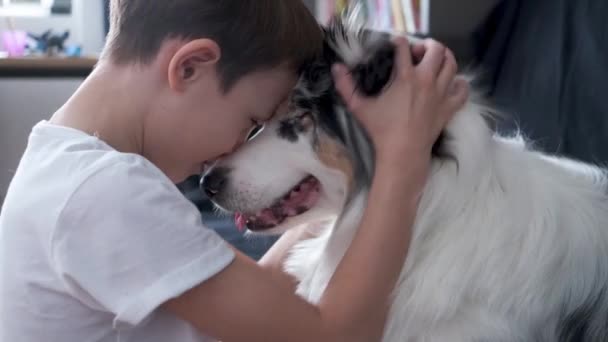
[46, 66]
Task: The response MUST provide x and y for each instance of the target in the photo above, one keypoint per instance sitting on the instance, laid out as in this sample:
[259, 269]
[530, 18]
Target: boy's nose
[215, 181]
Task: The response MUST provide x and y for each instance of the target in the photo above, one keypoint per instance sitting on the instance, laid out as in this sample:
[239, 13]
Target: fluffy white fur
[509, 244]
[505, 240]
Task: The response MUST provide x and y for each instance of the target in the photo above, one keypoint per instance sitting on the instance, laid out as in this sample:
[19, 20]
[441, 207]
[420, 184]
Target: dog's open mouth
[297, 201]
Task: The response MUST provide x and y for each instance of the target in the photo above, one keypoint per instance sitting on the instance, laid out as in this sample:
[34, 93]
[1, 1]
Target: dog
[509, 243]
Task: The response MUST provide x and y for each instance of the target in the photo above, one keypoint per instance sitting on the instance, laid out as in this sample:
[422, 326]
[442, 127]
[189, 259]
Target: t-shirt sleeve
[127, 241]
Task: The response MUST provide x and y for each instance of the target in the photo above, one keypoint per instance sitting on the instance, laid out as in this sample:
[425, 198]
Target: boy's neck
[112, 104]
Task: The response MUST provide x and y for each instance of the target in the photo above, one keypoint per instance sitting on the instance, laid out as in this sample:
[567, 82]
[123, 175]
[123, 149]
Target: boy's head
[224, 64]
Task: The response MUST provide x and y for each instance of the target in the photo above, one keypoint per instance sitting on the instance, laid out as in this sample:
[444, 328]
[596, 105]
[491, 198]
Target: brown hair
[253, 34]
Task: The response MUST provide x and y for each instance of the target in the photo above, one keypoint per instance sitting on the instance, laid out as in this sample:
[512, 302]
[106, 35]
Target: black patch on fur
[576, 326]
[287, 131]
[439, 149]
[375, 75]
[328, 121]
[290, 128]
[316, 93]
[437, 146]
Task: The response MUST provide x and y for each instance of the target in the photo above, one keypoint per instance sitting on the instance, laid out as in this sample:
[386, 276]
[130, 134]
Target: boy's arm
[245, 303]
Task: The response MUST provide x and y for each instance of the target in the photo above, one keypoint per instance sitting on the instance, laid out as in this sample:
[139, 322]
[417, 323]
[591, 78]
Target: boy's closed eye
[256, 128]
[258, 125]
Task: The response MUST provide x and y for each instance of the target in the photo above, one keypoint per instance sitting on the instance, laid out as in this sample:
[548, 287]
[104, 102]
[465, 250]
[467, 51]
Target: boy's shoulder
[67, 151]
[66, 168]
[65, 155]
[85, 220]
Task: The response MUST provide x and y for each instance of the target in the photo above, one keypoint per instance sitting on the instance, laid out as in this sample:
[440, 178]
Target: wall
[85, 25]
[23, 103]
[453, 22]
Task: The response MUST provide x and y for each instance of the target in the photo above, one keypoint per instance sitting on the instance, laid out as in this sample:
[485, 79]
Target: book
[408, 12]
[411, 16]
[397, 15]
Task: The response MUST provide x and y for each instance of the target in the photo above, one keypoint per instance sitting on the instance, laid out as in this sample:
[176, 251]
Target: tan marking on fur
[306, 121]
[334, 156]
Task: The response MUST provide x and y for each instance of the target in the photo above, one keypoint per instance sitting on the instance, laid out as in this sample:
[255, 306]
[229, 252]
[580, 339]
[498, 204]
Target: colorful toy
[14, 42]
[50, 44]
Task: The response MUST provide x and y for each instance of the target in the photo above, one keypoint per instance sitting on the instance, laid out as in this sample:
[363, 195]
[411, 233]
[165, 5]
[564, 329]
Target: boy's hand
[407, 118]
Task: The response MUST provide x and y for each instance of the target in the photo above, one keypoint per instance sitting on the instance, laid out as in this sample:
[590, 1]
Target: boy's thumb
[346, 87]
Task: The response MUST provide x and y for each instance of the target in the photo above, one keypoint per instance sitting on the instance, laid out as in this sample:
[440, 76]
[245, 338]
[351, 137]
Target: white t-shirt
[92, 241]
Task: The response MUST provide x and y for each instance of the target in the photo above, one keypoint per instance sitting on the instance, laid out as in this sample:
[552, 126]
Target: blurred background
[543, 62]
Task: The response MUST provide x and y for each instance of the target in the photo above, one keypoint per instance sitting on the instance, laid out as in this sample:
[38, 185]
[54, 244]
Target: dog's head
[307, 164]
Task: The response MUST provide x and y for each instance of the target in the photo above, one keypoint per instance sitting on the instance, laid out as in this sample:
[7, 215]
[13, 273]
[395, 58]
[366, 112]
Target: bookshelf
[411, 16]
[449, 21]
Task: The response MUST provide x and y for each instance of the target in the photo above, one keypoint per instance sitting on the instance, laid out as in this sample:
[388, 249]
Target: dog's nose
[215, 181]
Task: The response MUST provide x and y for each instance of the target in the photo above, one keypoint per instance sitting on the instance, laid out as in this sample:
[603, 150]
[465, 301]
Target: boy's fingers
[404, 56]
[433, 58]
[448, 71]
[458, 93]
[346, 87]
[418, 51]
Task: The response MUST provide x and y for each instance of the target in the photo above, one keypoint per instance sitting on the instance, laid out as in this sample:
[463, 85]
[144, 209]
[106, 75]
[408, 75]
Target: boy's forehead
[271, 89]
[282, 108]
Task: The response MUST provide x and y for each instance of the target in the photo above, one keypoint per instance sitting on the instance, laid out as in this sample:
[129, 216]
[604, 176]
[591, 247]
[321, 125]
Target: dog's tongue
[240, 221]
[299, 200]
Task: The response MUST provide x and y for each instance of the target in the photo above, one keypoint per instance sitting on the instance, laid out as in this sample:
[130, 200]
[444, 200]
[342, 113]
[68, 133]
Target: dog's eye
[305, 120]
[256, 128]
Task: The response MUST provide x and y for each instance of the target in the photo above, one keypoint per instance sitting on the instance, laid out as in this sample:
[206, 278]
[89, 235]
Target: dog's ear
[369, 54]
[329, 55]
[375, 73]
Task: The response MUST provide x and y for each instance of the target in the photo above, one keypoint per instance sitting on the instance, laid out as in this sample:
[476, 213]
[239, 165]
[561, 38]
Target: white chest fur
[496, 254]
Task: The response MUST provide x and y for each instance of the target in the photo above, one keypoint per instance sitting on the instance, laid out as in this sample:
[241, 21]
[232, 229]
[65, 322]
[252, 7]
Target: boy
[98, 244]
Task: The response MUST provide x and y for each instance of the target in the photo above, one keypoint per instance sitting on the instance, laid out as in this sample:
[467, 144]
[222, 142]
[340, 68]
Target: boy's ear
[192, 61]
